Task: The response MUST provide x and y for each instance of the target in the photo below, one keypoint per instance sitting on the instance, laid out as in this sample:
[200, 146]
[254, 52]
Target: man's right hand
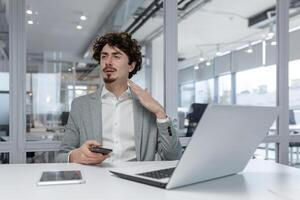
[83, 155]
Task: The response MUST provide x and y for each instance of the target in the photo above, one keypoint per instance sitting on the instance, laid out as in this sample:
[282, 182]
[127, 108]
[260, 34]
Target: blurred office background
[226, 55]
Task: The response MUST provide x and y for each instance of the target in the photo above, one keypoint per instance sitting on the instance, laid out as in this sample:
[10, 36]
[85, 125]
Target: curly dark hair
[124, 42]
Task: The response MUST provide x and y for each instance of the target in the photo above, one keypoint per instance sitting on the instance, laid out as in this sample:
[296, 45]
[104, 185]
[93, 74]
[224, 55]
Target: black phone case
[97, 149]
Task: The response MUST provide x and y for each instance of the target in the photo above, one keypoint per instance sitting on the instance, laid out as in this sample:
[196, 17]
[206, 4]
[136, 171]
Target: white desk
[261, 180]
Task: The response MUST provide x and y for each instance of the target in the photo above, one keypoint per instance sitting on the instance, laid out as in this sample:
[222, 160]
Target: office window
[265, 151]
[294, 92]
[294, 86]
[224, 89]
[294, 154]
[4, 73]
[204, 91]
[256, 86]
[4, 110]
[50, 91]
[187, 92]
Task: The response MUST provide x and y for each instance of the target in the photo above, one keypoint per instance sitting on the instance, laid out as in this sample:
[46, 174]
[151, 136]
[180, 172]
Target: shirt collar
[107, 94]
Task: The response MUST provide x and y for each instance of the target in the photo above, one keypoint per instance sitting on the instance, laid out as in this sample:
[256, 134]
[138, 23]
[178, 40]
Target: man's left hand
[147, 100]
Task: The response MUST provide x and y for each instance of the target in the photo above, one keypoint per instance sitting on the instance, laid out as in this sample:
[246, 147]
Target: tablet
[61, 177]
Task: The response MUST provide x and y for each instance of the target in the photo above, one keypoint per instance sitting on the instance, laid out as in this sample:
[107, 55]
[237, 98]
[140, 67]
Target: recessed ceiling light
[196, 67]
[79, 27]
[273, 43]
[249, 50]
[83, 17]
[218, 53]
[208, 63]
[30, 22]
[29, 12]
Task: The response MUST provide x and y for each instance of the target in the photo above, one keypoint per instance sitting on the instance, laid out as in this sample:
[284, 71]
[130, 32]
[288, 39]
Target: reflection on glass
[256, 86]
[225, 89]
[265, 151]
[50, 91]
[294, 93]
[204, 91]
[187, 92]
[4, 73]
[4, 112]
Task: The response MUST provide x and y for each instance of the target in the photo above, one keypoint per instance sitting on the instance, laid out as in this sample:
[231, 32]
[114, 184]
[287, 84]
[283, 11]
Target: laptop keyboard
[159, 174]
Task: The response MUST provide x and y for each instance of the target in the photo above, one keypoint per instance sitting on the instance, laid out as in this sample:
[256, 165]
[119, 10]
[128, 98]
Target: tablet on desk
[61, 177]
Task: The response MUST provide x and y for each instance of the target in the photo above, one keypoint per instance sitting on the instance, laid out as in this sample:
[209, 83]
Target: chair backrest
[292, 117]
[197, 110]
[64, 118]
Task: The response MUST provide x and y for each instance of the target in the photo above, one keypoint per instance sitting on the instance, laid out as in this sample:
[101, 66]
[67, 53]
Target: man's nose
[108, 60]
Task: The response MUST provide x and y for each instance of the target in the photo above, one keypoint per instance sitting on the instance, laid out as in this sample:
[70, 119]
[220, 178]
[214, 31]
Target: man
[125, 119]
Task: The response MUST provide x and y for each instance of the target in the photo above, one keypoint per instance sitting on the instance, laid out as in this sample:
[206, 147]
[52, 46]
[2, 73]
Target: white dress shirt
[118, 126]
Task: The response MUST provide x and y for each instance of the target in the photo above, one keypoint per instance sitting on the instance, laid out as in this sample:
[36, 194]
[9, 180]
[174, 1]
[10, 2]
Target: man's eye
[117, 57]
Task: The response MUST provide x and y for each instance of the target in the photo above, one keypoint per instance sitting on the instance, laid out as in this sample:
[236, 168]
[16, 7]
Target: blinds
[241, 60]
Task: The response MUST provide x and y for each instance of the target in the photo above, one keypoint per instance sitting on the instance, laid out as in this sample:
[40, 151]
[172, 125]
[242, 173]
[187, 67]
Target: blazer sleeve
[168, 147]
[71, 136]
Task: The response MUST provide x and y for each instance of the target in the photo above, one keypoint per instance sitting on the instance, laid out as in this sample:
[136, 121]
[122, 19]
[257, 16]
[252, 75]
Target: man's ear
[132, 66]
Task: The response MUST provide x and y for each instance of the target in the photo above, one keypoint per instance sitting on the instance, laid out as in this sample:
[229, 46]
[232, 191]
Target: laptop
[225, 139]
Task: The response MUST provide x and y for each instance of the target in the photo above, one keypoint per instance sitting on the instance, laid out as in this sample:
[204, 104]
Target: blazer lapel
[96, 115]
[138, 115]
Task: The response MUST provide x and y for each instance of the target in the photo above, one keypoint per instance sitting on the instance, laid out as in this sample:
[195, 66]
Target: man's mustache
[109, 69]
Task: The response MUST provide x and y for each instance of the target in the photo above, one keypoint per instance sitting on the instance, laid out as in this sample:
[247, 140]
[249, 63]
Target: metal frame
[17, 66]
[282, 54]
[148, 69]
[170, 58]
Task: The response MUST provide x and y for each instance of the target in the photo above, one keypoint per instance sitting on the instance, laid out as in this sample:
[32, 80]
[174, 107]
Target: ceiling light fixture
[208, 63]
[29, 12]
[273, 42]
[83, 17]
[219, 53]
[249, 49]
[78, 26]
[271, 33]
[30, 21]
[201, 58]
[196, 67]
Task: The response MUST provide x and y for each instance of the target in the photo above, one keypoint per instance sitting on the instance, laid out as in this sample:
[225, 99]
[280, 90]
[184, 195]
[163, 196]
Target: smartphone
[98, 149]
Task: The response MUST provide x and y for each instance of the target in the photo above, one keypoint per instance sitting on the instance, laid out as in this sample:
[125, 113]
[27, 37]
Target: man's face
[114, 64]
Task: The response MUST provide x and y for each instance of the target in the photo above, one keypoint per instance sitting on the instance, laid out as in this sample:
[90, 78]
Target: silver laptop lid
[223, 142]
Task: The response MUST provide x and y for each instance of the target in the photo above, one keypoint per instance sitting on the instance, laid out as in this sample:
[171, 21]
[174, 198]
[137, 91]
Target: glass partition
[4, 73]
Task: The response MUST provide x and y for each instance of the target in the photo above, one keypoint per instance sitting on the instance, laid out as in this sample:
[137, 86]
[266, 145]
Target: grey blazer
[151, 138]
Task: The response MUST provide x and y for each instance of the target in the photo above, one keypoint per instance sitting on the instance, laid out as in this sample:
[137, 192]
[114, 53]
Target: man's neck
[116, 88]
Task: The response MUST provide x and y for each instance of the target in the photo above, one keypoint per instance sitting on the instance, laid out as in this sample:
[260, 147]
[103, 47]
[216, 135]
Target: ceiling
[54, 27]
[219, 22]
[215, 22]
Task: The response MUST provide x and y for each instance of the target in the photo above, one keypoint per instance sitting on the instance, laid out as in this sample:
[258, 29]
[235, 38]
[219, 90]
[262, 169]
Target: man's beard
[108, 79]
